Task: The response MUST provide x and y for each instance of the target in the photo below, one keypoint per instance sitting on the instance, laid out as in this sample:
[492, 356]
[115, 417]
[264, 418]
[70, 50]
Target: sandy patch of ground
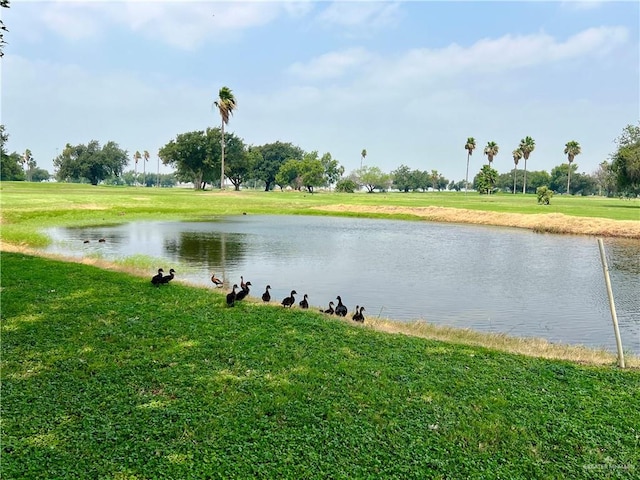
[543, 223]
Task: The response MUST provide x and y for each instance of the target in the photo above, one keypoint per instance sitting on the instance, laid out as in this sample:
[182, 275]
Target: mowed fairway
[107, 376]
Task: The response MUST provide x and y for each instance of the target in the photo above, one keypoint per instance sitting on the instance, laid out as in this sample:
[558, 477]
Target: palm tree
[571, 149]
[491, 150]
[517, 155]
[158, 177]
[26, 162]
[145, 155]
[226, 104]
[363, 155]
[527, 145]
[136, 158]
[470, 146]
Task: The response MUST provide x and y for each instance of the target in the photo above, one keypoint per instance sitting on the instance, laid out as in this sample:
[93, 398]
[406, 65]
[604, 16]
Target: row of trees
[197, 157]
[525, 148]
[18, 167]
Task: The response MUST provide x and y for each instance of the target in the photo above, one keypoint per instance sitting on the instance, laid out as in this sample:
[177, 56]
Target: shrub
[346, 185]
[544, 195]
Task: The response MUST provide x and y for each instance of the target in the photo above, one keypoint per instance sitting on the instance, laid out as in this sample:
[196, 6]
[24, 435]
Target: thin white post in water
[612, 305]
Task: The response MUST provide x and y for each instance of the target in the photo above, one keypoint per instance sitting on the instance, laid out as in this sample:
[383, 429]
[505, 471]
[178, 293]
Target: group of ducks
[160, 278]
[235, 296]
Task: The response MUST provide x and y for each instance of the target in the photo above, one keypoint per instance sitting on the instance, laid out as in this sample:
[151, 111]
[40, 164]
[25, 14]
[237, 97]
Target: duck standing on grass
[243, 292]
[167, 278]
[231, 296]
[329, 310]
[157, 279]
[358, 316]
[266, 296]
[304, 303]
[290, 300]
[341, 309]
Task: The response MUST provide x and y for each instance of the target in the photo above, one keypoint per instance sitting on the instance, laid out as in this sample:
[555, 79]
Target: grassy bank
[28, 207]
[106, 376]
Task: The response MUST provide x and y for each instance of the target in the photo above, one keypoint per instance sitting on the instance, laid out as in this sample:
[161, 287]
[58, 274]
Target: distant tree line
[18, 167]
[196, 157]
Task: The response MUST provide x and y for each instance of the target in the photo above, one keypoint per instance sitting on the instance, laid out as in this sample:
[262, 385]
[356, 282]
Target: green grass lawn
[106, 376]
[28, 207]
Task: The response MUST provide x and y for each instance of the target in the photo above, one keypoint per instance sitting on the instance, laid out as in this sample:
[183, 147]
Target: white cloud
[184, 25]
[485, 57]
[331, 65]
[491, 56]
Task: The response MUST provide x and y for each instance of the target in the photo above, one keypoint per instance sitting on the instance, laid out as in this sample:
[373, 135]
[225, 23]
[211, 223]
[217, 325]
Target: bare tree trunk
[222, 167]
[466, 177]
[515, 177]
[524, 181]
[569, 178]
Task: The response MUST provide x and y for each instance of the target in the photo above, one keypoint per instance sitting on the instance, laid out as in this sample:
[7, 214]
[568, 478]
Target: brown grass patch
[542, 223]
[532, 347]
[89, 206]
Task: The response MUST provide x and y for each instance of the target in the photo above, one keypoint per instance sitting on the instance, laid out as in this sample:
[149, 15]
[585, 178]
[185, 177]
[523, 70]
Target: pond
[490, 279]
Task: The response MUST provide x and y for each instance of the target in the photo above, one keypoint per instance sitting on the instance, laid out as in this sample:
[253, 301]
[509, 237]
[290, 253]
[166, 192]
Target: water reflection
[486, 278]
[210, 249]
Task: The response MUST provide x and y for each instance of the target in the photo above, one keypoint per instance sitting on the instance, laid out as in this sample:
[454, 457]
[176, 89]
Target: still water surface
[490, 279]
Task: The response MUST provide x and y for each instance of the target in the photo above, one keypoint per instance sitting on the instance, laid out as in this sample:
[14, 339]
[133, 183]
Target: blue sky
[407, 81]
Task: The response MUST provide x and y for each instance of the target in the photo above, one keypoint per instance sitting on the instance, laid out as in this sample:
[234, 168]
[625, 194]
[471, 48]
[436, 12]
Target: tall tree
[571, 149]
[558, 178]
[226, 104]
[402, 178]
[605, 179]
[11, 167]
[363, 155]
[421, 179]
[438, 182]
[273, 156]
[10, 164]
[517, 155]
[372, 178]
[289, 175]
[240, 160]
[312, 172]
[28, 163]
[136, 159]
[90, 162]
[625, 162]
[470, 146]
[194, 155]
[332, 169]
[527, 145]
[145, 155]
[491, 150]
